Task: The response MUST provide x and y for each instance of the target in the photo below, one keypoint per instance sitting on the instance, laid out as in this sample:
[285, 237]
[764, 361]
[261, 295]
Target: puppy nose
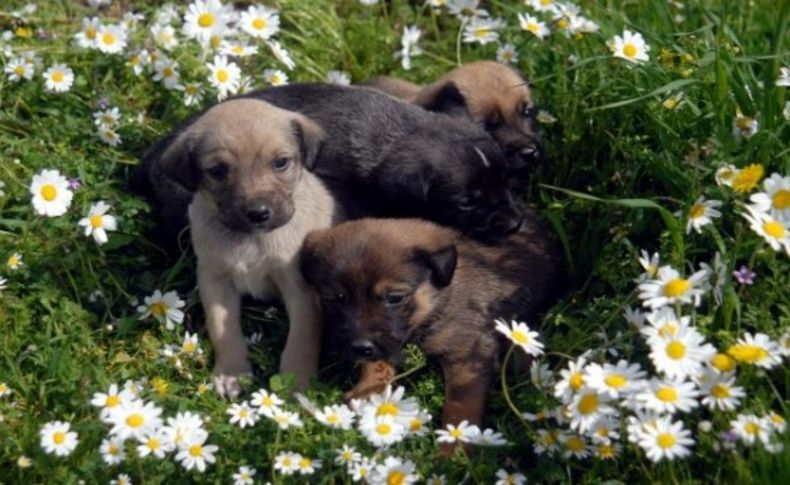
[258, 214]
[363, 348]
[530, 152]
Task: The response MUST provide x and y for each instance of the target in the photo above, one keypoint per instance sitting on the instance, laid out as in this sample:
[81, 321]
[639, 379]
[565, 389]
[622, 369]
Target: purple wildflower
[74, 183]
[745, 276]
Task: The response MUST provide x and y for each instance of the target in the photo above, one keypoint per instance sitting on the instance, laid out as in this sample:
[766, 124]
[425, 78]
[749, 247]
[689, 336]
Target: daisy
[574, 446]
[777, 422]
[784, 344]
[747, 178]
[51, 194]
[156, 442]
[138, 61]
[669, 288]
[548, 441]
[482, 30]
[338, 77]
[205, 19]
[605, 430]
[417, 425]
[121, 479]
[267, 402]
[776, 198]
[701, 214]
[134, 419]
[98, 222]
[548, 6]
[394, 471]
[723, 363]
[726, 174]
[195, 453]
[286, 419]
[680, 355]
[260, 22]
[190, 345]
[111, 39]
[615, 381]
[587, 407]
[505, 478]
[775, 232]
[750, 428]
[275, 77]
[86, 37]
[362, 470]
[287, 462]
[650, 263]
[744, 126]
[520, 334]
[242, 414]
[436, 480]
[664, 323]
[489, 437]
[507, 54]
[545, 118]
[165, 308]
[665, 439]
[166, 70]
[572, 380]
[347, 455]
[409, 38]
[308, 466]
[533, 25]
[57, 439]
[193, 93]
[336, 416]
[281, 54]
[112, 451]
[4, 389]
[783, 81]
[608, 451]
[757, 349]
[721, 392]
[18, 69]
[108, 117]
[463, 433]
[465, 9]
[382, 430]
[631, 47]
[14, 262]
[224, 76]
[164, 36]
[237, 49]
[578, 25]
[244, 476]
[541, 376]
[668, 396]
[111, 400]
[181, 426]
[109, 136]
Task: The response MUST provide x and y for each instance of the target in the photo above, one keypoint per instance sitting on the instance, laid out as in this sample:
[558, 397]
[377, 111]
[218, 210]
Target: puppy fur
[385, 282]
[243, 163]
[492, 94]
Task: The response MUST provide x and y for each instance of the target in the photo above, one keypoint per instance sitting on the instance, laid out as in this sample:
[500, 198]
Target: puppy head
[378, 280]
[247, 156]
[499, 98]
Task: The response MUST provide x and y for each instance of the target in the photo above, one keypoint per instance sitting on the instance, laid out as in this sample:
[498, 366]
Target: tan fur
[393, 86]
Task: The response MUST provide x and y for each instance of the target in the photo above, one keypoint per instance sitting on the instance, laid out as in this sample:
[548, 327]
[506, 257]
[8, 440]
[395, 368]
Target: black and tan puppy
[244, 165]
[385, 282]
[492, 94]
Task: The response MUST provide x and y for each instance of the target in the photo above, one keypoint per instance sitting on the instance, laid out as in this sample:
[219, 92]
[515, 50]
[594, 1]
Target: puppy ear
[442, 97]
[309, 258]
[178, 162]
[310, 137]
[441, 262]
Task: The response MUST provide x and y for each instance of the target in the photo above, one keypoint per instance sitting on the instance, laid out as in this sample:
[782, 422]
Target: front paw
[374, 379]
[229, 385]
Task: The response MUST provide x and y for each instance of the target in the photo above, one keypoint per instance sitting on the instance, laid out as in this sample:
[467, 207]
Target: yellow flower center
[153, 443]
[113, 449]
[748, 178]
[667, 394]
[108, 38]
[456, 433]
[533, 27]
[49, 192]
[135, 421]
[215, 41]
[267, 402]
[575, 444]
[168, 71]
[576, 381]
[159, 309]
[546, 3]
[305, 463]
[259, 24]
[12, 261]
[774, 229]
[588, 404]
[206, 20]
[244, 413]
[90, 33]
[96, 221]
[191, 89]
[383, 429]
[675, 350]
[616, 380]
[744, 122]
[751, 428]
[670, 103]
[332, 419]
[59, 437]
[19, 70]
[287, 462]
[415, 425]
[238, 50]
[666, 440]
[748, 353]
[396, 477]
[723, 362]
[629, 50]
[112, 401]
[697, 211]
[668, 330]
[776, 419]
[222, 76]
[677, 287]
[562, 24]
[519, 337]
[480, 32]
[781, 199]
[347, 455]
[387, 408]
[720, 391]
[196, 450]
[189, 347]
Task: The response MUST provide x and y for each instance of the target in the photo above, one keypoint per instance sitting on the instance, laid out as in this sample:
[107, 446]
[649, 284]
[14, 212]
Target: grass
[620, 165]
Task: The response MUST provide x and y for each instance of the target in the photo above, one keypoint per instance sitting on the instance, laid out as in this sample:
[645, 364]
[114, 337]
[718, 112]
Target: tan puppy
[490, 93]
[254, 202]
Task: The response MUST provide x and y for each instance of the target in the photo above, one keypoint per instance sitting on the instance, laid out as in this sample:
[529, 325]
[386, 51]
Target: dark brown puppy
[488, 92]
[385, 282]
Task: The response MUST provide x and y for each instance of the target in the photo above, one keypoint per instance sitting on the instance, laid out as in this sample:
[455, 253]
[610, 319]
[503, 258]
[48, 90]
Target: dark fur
[453, 289]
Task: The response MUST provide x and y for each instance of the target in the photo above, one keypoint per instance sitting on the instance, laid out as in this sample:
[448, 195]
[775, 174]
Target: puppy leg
[466, 388]
[374, 378]
[303, 346]
[222, 305]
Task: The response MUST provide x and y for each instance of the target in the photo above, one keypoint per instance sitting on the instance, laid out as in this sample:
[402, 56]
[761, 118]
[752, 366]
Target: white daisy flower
[605, 430]
[664, 323]
[630, 46]
[548, 6]
[775, 232]
[541, 376]
[275, 77]
[122, 478]
[166, 71]
[112, 451]
[58, 78]
[237, 49]
[615, 381]
[134, 419]
[362, 469]
[533, 25]
[665, 439]
[505, 478]
[182, 426]
[650, 263]
[86, 37]
[744, 126]
[634, 317]
[286, 419]
[462, 433]
[571, 380]
[520, 334]
[4, 389]
[244, 476]
[110, 400]
[108, 117]
[418, 425]
[57, 439]
[190, 345]
[702, 213]
[338, 77]
[206, 19]
[165, 308]
[669, 288]
[784, 344]
[267, 402]
[308, 466]
[574, 446]
[14, 262]
[131, 19]
[669, 396]
[111, 39]
[680, 355]
[287, 462]
[260, 22]
[193, 93]
[720, 391]
[394, 471]
[783, 81]
[750, 428]
[489, 437]
[155, 442]
[347, 455]
[138, 61]
[482, 30]
[757, 349]
[337, 416]
[548, 442]
[224, 76]
[507, 54]
[109, 136]
[18, 69]
[726, 174]
[587, 407]
[776, 421]
[195, 453]
[98, 222]
[51, 193]
[465, 9]
[608, 451]
[281, 54]
[390, 403]
[164, 36]
[382, 430]
[409, 38]
[776, 198]
[242, 414]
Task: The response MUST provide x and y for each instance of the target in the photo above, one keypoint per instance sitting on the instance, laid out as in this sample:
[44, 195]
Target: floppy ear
[407, 182]
[177, 162]
[310, 137]
[309, 258]
[441, 262]
[442, 97]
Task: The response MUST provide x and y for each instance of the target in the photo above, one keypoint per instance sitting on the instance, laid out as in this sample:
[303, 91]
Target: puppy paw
[230, 385]
[374, 379]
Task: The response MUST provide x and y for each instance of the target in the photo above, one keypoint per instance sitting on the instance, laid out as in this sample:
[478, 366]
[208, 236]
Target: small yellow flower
[160, 385]
[23, 32]
[747, 179]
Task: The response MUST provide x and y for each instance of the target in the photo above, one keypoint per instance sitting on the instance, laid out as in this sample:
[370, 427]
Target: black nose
[530, 152]
[258, 214]
[363, 348]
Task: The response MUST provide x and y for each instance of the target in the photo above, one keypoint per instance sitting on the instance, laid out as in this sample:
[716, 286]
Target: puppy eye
[393, 299]
[281, 164]
[333, 296]
[469, 202]
[217, 172]
[528, 111]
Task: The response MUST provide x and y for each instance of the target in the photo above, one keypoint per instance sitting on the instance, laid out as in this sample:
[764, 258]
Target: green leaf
[670, 86]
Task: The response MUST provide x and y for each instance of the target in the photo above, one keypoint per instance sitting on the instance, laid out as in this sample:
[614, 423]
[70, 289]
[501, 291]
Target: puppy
[244, 163]
[385, 282]
[492, 94]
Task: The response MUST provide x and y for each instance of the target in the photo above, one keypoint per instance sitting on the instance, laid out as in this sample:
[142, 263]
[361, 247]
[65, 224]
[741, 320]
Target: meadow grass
[620, 164]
